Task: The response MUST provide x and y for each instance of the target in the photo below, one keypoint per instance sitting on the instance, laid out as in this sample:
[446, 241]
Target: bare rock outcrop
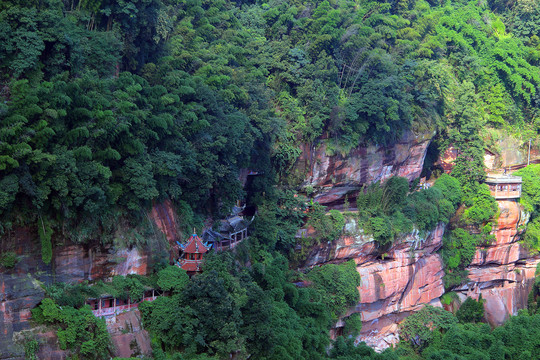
[335, 175]
[128, 336]
[164, 217]
[503, 271]
[394, 282]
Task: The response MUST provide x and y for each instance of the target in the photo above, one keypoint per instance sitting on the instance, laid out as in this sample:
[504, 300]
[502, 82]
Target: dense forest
[109, 106]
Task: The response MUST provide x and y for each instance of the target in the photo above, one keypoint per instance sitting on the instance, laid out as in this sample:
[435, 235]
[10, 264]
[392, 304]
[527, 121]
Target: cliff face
[504, 271]
[128, 336]
[21, 287]
[409, 274]
[405, 277]
[394, 281]
[400, 280]
[334, 176]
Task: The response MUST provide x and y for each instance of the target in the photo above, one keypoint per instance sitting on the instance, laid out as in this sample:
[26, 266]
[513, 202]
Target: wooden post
[529, 157]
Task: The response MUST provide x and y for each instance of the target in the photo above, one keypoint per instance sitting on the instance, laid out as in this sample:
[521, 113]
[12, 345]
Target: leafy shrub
[483, 207]
[418, 328]
[531, 240]
[446, 210]
[394, 194]
[449, 297]
[31, 346]
[455, 277]
[9, 259]
[457, 253]
[389, 210]
[338, 222]
[353, 325]
[338, 284]
[381, 229]
[172, 278]
[471, 310]
[530, 191]
[78, 329]
[450, 189]
[369, 200]
[327, 227]
[422, 208]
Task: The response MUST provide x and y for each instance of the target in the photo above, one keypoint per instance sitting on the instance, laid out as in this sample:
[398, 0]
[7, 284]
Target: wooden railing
[117, 309]
[506, 194]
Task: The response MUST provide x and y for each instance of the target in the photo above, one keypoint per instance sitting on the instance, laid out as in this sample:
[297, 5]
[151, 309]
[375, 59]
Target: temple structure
[191, 254]
[232, 231]
[503, 187]
[107, 305]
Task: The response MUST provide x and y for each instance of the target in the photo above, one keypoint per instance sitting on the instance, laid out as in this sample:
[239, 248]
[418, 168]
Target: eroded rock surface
[402, 279]
[21, 287]
[128, 336]
[336, 175]
[164, 216]
[503, 272]
[394, 282]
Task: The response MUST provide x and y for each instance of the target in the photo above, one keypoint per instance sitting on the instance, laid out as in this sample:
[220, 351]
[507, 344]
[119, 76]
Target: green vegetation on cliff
[251, 312]
[107, 106]
[78, 330]
[111, 104]
[530, 199]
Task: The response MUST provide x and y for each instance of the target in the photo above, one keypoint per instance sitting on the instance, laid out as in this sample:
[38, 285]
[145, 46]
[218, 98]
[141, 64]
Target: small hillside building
[232, 231]
[504, 187]
[191, 254]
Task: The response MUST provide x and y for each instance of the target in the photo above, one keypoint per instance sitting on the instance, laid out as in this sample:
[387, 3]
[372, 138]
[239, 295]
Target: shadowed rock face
[337, 175]
[20, 287]
[164, 216]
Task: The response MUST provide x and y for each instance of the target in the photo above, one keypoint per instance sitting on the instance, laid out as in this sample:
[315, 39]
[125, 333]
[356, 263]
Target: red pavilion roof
[195, 245]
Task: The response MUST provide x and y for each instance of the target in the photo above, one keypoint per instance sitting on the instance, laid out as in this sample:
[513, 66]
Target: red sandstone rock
[446, 160]
[338, 175]
[505, 249]
[20, 288]
[48, 348]
[409, 276]
[133, 262]
[164, 217]
[128, 336]
[503, 272]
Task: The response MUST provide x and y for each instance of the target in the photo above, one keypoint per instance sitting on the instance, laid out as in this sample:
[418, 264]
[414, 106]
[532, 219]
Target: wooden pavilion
[191, 254]
[503, 187]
